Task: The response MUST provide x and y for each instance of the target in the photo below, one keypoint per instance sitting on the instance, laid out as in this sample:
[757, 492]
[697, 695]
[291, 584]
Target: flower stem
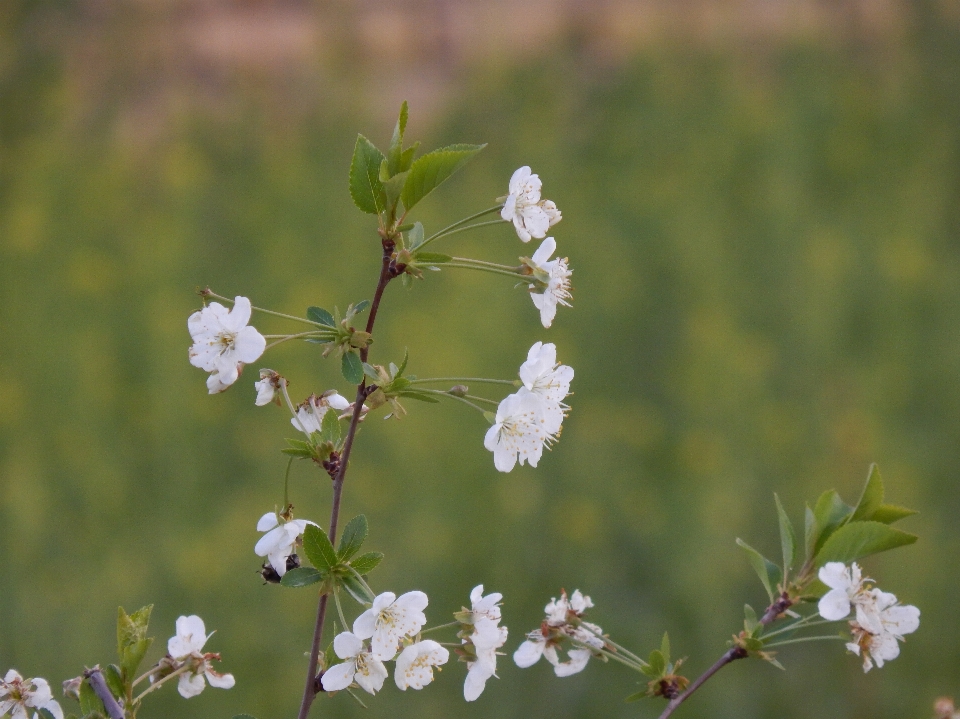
[157, 684]
[439, 627]
[286, 338]
[514, 275]
[618, 647]
[482, 399]
[802, 624]
[343, 620]
[431, 380]
[210, 293]
[480, 409]
[483, 263]
[805, 639]
[312, 686]
[447, 230]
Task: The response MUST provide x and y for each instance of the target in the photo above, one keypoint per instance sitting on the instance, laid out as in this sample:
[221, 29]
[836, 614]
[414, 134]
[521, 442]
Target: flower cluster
[18, 696]
[531, 418]
[223, 342]
[881, 621]
[185, 657]
[563, 623]
[530, 215]
[310, 412]
[481, 637]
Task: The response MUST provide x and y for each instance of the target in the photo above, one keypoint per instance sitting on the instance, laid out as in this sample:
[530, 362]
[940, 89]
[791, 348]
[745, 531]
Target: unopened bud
[71, 687]
[459, 390]
[360, 339]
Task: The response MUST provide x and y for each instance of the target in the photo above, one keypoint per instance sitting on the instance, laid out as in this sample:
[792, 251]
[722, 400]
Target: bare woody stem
[313, 686]
[773, 612]
[99, 686]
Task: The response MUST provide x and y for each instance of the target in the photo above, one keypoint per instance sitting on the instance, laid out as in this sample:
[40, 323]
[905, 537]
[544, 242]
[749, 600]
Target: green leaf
[809, 531]
[396, 143]
[403, 365]
[658, 664]
[45, 714]
[360, 306]
[861, 539]
[788, 539]
[366, 563]
[111, 676]
[392, 189]
[420, 396]
[830, 512]
[415, 237]
[406, 157]
[665, 647]
[318, 314]
[637, 697]
[768, 572]
[291, 452]
[749, 618]
[301, 577]
[890, 513]
[89, 701]
[356, 589]
[872, 497]
[432, 169]
[352, 368]
[431, 258]
[132, 640]
[330, 427]
[132, 655]
[317, 547]
[365, 186]
[352, 539]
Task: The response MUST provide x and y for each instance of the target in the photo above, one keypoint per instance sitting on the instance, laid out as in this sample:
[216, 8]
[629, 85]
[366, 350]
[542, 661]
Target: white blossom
[186, 647]
[563, 622]
[549, 380]
[486, 638]
[531, 216]
[519, 431]
[310, 412]
[848, 591]
[553, 281]
[280, 539]
[361, 666]
[415, 664]
[18, 696]
[267, 387]
[879, 644]
[484, 607]
[223, 342]
[390, 620]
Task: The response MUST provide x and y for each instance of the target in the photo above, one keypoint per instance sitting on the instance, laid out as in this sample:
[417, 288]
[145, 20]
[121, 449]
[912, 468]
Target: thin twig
[99, 686]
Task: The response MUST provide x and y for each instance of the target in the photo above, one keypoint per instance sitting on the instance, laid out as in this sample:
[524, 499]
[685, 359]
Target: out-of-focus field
[764, 227]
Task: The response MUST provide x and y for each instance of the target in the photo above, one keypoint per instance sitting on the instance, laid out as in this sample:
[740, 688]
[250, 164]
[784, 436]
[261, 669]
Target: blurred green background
[760, 206]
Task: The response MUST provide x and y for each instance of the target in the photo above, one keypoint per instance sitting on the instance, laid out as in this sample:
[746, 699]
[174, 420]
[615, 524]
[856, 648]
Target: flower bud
[459, 390]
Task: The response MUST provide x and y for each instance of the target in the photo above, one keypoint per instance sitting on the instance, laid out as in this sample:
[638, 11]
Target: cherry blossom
[531, 216]
[223, 342]
[310, 412]
[361, 666]
[518, 432]
[415, 664]
[879, 643]
[185, 647]
[390, 620]
[553, 281]
[280, 539]
[18, 696]
[267, 387]
[481, 644]
[549, 380]
[563, 622]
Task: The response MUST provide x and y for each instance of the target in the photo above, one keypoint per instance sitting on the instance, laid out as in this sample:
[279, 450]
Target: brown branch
[99, 686]
[731, 655]
[313, 685]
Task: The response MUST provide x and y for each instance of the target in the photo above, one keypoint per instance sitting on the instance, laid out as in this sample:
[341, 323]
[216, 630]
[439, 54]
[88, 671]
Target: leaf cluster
[336, 568]
[342, 337]
[392, 385]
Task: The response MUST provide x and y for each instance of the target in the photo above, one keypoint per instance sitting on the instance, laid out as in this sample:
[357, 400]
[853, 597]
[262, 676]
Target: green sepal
[768, 572]
[321, 316]
[871, 499]
[365, 186]
[861, 539]
[788, 538]
[352, 368]
[353, 537]
[366, 563]
[430, 170]
[415, 236]
[89, 701]
[330, 428]
[355, 589]
[317, 547]
[301, 577]
[430, 258]
[111, 675]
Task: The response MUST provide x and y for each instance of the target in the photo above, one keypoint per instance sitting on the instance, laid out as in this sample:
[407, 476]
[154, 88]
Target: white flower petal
[339, 676]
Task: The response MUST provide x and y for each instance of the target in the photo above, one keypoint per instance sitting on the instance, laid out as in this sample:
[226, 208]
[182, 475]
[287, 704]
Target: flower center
[226, 341]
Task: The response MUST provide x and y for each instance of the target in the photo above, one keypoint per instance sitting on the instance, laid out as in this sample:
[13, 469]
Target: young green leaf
[657, 664]
[872, 497]
[366, 563]
[665, 647]
[788, 539]
[352, 368]
[392, 188]
[356, 589]
[45, 714]
[830, 512]
[429, 398]
[317, 547]
[301, 577]
[432, 169]
[768, 572]
[360, 306]
[890, 513]
[415, 236]
[89, 701]
[749, 618]
[809, 532]
[365, 186]
[352, 539]
[330, 428]
[111, 675]
[403, 365]
[430, 258]
[396, 143]
[861, 539]
[318, 314]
